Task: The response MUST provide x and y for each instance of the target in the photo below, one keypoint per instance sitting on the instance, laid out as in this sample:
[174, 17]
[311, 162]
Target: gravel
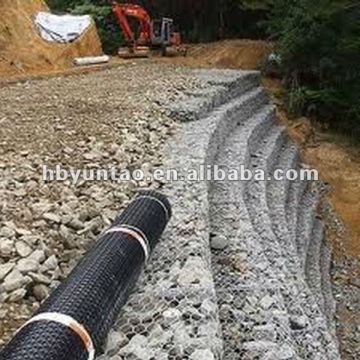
[208, 291]
[116, 117]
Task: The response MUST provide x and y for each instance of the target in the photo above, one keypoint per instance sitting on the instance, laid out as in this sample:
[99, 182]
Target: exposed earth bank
[23, 51]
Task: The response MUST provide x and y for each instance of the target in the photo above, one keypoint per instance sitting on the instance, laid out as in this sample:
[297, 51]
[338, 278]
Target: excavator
[151, 35]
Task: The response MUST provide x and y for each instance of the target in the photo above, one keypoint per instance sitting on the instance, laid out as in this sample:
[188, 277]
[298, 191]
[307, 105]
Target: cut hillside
[22, 50]
[242, 54]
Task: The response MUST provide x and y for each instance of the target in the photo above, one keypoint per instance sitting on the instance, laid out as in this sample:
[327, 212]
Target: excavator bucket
[138, 52]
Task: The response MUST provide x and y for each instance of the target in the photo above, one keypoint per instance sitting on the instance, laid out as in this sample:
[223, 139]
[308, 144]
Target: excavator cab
[163, 36]
[161, 30]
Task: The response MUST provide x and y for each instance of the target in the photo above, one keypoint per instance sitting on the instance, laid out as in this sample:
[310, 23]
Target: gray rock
[41, 207]
[7, 232]
[298, 322]
[22, 232]
[286, 352]
[92, 156]
[38, 256]
[194, 272]
[23, 249]
[6, 247]
[14, 281]
[30, 239]
[159, 337]
[27, 265]
[17, 295]
[208, 307]
[137, 349]
[190, 312]
[64, 232]
[56, 274]
[181, 336]
[265, 332]
[162, 356]
[254, 346]
[219, 242]
[102, 357]
[40, 292]
[5, 270]
[50, 264]
[40, 278]
[115, 341]
[171, 316]
[3, 313]
[52, 217]
[54, 284]
[266, 302]
[105, 357]
[75, 224]
[202, 355]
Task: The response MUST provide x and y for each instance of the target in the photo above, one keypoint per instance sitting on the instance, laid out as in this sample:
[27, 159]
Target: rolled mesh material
[97, 288]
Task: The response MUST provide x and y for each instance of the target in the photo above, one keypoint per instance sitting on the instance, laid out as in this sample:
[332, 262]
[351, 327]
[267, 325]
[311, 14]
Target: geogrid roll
[73, 323]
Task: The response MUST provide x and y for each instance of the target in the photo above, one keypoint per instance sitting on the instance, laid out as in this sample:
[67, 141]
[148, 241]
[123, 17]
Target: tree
[319, 44]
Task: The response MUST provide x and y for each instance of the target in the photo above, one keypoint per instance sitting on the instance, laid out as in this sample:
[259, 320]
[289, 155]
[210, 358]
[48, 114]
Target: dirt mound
[234, 54]
[243, 54]
[22, 50]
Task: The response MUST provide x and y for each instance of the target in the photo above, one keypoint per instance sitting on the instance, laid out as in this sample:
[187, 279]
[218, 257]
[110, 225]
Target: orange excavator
[152, 34]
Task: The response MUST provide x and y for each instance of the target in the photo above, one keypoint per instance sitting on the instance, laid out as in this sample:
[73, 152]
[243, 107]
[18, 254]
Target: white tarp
[63, 29]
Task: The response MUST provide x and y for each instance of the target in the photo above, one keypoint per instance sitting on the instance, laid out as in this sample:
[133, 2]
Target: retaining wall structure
[242, 271]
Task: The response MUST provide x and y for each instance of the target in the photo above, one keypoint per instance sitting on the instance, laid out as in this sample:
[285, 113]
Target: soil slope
[22, 50]
[234, 54]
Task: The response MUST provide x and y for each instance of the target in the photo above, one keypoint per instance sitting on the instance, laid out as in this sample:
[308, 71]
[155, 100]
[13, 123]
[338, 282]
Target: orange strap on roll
[72, 324]
[136, 234]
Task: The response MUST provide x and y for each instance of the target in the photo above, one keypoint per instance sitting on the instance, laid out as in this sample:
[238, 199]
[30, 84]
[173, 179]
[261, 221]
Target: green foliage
[61, 5]
[256, 4]
[319, 44]
[108, 29]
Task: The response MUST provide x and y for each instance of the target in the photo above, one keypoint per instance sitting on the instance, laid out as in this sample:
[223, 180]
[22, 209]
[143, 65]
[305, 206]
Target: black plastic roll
[75, 320]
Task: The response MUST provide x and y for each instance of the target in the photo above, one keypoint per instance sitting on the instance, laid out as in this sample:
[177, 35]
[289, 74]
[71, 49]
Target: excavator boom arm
[122, 12]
